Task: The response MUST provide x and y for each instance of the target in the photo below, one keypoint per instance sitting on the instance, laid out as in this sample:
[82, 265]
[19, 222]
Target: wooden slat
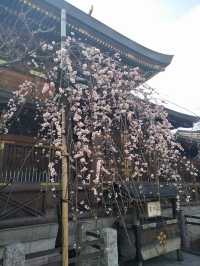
[10, 79]
[17, 139]
[21, 160]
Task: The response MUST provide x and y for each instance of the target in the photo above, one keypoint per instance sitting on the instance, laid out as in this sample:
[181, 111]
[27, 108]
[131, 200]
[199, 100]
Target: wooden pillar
[183, 230]
[178, 215]
[174, 210]
[138, 235]
[1, 161]
[44, 201]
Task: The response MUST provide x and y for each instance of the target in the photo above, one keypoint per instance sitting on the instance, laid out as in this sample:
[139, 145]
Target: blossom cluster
[115, 134]
[18, 99]
[118, 134]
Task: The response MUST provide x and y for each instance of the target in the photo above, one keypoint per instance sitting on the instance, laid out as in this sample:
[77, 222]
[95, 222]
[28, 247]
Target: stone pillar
[111, 251]
[14, 255]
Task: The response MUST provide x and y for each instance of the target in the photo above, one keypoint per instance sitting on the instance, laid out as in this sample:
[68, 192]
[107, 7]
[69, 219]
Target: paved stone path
[167, 260]
[170, 260]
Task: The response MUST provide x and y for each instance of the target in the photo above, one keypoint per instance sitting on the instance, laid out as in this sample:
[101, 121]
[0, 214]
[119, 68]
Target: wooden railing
[28, 175]
[21, 161]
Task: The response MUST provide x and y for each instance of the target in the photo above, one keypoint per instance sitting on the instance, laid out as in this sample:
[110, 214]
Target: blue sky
[168, 26]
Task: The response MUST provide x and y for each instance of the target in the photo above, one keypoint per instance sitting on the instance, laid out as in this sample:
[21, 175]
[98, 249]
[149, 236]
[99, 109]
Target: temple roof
[92, 31]
[178, 119]
[110, 34]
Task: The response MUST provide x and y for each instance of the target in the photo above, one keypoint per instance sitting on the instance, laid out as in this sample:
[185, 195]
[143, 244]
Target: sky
[167, 26]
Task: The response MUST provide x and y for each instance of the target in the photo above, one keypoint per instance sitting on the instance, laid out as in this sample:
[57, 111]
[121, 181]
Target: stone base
[14, 255]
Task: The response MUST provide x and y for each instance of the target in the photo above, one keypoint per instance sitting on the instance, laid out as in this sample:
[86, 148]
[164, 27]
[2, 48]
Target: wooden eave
[189, 135]
[178, 119]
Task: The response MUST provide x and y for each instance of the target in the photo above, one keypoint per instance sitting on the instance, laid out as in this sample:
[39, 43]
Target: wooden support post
[183, 230]
[139, 244]
[178, 215]
[174, 211]
[43, 209]
[2, 145]
[65, 222]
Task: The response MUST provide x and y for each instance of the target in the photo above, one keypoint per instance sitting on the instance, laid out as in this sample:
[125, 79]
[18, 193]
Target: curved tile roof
[99, 27]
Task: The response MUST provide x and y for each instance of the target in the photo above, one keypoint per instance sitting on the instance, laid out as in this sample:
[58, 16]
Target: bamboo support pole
[65, 221]
[65, 225]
